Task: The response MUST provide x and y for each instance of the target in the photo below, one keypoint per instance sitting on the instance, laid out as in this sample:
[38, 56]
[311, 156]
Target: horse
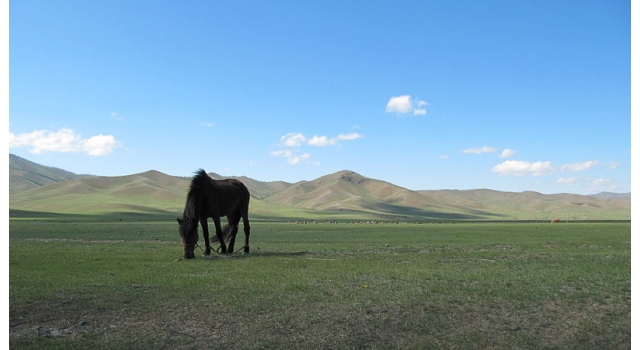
[555, 221]
[209, 198]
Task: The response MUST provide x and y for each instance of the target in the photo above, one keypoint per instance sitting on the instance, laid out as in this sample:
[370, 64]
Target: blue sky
[506, 95]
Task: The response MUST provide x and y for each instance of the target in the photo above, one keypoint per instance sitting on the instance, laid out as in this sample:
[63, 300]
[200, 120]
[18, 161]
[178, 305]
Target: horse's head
[189, 232]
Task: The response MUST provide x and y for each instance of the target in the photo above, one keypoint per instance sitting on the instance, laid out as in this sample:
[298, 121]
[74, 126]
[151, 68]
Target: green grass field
[121, 284]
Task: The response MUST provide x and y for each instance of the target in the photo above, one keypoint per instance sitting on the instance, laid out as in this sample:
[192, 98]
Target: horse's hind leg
[247, 230]
[233, 220]
[232, 238]
[223, 245]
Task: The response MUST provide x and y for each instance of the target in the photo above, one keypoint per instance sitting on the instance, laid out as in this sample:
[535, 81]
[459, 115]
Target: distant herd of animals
[209, 198]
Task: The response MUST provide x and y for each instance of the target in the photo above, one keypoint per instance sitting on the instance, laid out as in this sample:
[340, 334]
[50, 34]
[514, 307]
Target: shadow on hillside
[394, 211]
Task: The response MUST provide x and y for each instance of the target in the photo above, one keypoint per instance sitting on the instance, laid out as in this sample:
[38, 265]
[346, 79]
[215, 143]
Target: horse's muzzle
[189, 251]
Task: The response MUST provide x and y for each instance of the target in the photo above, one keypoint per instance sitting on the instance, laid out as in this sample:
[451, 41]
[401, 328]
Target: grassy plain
[121, 284]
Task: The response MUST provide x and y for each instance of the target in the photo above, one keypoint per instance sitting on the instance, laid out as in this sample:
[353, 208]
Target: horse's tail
[231, 228]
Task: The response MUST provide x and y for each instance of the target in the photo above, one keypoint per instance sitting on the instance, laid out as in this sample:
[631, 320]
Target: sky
[506, 95]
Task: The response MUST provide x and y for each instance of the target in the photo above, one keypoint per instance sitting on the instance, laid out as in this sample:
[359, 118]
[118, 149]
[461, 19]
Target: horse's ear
[179, 221]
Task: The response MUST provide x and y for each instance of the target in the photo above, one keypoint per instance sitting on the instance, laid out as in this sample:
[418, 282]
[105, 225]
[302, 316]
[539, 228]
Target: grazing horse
[209, 198]
[555, 221]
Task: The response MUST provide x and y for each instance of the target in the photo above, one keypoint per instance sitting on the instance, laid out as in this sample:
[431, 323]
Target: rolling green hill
[25, 175]
[344, 195]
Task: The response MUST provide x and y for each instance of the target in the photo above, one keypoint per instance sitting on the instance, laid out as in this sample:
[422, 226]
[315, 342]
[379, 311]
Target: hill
[610, 195]
[342, 195]
[530, 205]
[149, 192]
[25, 175]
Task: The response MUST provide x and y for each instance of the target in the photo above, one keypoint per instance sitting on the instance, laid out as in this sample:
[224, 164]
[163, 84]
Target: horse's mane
[197, 181]
[195, 193]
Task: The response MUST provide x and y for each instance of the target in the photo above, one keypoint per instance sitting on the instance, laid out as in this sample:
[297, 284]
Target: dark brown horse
[209, 198]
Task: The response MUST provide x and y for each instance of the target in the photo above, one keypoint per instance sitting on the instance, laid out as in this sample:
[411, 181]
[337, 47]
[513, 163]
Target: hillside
[533, 205]
[342, 195]
[150, 192]
[25, 175]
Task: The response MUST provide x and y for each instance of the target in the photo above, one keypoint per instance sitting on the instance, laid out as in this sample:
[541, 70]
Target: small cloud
[349, 137]
[294, 140]
[100, 145]
[568, 180]
[600, 182]
[321, 141]
[206, 124]
[116, 116]
[292, 157]
[419, 111]
[506, 153]
[580, 166]
[613, 165]
[405, 104]
[485, 149]
[603, 184]
[400, 104]
[65, 141]
[521, 168]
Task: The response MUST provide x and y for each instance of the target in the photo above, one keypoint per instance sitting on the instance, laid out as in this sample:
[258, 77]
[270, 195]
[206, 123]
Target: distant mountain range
[344, 195]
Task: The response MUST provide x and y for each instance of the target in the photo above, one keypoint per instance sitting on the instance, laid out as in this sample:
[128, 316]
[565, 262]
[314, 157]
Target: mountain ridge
[342, 194]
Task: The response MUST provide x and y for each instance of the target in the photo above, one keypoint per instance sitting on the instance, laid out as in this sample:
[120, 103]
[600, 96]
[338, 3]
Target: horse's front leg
[223, 245]
[205, 233]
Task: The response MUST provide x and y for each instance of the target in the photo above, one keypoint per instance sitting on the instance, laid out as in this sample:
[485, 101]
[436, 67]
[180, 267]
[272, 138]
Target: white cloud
[520, 168]
[321, 141]
[100, 145]
[568, 180]
[64, 140]
[506, 153]
[419, 111]
[116, 116]
[297, 139]
[292, 157]
[349, 137]
[294, 140]
[400, 104]
[405, 104]
[485, 149]
[614, 165]
[600, 182]
[580, 166]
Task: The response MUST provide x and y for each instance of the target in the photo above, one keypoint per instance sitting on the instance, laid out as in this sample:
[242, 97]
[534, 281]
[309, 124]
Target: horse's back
[233, 186]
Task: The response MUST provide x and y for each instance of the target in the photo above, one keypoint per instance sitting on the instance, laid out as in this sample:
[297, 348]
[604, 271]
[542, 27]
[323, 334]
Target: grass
[122, 284]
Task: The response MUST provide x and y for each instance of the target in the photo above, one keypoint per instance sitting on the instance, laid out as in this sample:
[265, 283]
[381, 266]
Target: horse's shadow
[255, 254]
